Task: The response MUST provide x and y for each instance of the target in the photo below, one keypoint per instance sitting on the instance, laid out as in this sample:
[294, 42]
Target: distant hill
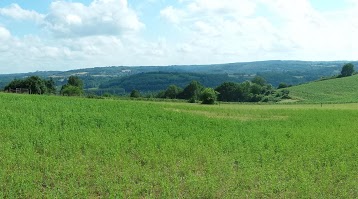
[275, 72]
[156, 81]
[340, 90]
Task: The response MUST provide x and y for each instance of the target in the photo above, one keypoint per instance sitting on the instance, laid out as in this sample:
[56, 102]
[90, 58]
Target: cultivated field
[75, 147]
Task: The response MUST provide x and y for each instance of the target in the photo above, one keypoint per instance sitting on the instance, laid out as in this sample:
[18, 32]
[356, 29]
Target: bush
[69, 90]
[209, 96]
[135, 94]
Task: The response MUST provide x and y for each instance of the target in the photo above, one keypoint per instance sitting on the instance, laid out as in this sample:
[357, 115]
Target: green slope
[340, 90]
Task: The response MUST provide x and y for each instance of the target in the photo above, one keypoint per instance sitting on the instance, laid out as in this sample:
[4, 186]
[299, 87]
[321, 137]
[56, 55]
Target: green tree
[172, 92]
[246, 91]
[282, 85]
[347, 70]
[208, 96]
[69, 90]
[36, 85]
[135, 94]
[75, 81]
[229, 92]
[50, 85]
[192, 91]
[73, 87]
[255, 89]
[259, 80]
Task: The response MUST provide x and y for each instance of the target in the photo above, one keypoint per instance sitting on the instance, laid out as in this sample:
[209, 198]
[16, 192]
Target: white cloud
[172, 15]
[4, 34]
[223, 7]
[101, 17]
[226, 31]
[16, 12]
[110, 32]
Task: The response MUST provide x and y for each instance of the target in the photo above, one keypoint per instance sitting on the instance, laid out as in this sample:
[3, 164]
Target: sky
[45, 35]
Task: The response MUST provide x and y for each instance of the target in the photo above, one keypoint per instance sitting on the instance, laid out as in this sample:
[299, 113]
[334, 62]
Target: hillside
[340, 90]
[276, 71]
[156, 81]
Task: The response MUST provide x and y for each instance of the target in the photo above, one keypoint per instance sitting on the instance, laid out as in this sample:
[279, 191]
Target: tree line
[35, 84]
[256, 90]
[38, 85]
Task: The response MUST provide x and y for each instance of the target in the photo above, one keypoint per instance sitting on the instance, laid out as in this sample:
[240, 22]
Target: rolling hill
[340, 90]
[275, 71]
[156, 81]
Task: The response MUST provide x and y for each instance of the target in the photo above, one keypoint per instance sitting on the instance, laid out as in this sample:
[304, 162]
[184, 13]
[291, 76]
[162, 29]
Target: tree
[246, 91]
[172, 92]
[192, 91]
[229, 92]
[135, 94]
[75, 81]
[69, 90]
[255, 89]
[259, 80]
[347, 70]
[35, 84]
[282, 85]
[208, 96]
[73, 87]
[51, 86]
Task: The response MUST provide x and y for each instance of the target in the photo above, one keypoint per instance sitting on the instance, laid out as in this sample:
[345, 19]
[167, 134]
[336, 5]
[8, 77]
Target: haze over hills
[141, 77]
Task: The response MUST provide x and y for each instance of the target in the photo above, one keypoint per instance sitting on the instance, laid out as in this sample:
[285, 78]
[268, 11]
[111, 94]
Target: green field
[57, 147]
[340, 90]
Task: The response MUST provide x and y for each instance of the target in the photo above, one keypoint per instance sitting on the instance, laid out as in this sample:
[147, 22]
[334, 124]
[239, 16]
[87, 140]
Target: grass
[75, 147]
[340, 90]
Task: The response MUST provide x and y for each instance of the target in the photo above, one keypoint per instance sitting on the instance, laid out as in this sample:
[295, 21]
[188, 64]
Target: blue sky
[63, 35]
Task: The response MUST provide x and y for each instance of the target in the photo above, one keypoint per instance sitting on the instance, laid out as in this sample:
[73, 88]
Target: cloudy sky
[68, 34]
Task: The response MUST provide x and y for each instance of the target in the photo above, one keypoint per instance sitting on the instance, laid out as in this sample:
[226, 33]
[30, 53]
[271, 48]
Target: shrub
[209, 96]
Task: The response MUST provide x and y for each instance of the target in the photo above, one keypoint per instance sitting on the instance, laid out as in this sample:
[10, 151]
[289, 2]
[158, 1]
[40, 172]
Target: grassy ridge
[341, 90]
[69, 147]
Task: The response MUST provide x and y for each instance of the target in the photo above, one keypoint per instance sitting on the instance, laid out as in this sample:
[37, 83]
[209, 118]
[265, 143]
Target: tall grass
[74, 147]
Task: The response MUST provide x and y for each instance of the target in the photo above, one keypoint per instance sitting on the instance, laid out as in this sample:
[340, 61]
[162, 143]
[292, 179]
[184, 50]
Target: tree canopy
[135, 94]
[347, 70]
[208, 96]
[192, 91]
[35, 84]
[74, 87]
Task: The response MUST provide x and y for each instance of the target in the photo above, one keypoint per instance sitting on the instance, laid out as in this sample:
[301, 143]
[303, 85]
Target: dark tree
[229, 92]
[347, 70]
[172, 92]
[192, 91]
[50, 85]
[135, 94]
[75, 81]
[282, 85]
[259, 80]
[35, 84]
[246, 91]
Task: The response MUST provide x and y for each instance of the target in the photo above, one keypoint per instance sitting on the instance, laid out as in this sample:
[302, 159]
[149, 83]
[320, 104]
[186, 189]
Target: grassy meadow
[57, 147]
[340, 90]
